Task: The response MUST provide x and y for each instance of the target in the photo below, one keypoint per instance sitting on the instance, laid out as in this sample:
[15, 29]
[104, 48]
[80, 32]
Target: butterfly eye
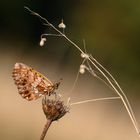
[57, 85]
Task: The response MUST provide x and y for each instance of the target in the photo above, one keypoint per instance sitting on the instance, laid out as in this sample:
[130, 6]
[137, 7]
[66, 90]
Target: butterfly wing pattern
[30, 83]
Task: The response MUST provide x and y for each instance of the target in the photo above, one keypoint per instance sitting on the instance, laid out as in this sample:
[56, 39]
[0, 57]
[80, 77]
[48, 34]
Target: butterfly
[32, 84]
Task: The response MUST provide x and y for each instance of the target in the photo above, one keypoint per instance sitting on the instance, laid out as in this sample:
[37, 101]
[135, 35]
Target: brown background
[111, 31]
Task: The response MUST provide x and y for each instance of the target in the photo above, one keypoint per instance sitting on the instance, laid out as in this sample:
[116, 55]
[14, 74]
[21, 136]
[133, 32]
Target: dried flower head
[54, 109]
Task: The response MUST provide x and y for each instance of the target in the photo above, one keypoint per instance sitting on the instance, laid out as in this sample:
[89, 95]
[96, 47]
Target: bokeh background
[111, 30]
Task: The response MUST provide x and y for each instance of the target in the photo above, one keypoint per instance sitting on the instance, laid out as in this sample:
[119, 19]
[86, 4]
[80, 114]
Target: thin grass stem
[124, 98]
[93, 100]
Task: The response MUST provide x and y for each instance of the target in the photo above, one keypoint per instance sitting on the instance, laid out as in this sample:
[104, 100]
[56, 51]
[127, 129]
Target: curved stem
[99, 67]
[46, 127]
[51, 25]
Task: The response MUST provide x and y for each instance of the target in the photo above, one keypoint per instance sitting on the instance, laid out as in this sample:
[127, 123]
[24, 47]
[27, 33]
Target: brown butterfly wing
[31, 84]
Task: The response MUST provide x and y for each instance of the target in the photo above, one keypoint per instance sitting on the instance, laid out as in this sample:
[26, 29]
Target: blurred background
[111, 30]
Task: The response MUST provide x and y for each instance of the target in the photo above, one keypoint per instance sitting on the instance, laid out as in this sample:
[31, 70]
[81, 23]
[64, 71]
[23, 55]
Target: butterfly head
[56, 85]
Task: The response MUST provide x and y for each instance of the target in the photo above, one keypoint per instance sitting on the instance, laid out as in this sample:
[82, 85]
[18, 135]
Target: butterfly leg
[57, 96]
[44, 100]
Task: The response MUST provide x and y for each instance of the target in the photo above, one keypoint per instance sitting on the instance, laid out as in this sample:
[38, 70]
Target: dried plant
[53, 109]
[89, 64]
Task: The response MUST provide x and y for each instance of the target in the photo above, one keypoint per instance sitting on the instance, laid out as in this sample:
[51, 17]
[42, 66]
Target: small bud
[82, 66]
[42, 42]
[62, 25]
[82, 69]
[84, 55]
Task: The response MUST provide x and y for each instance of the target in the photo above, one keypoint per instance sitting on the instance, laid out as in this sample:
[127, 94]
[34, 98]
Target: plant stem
[46, 127]
[102, 70]
[93, 100]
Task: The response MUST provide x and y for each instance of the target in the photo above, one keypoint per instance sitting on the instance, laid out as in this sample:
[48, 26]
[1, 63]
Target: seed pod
[54, 109]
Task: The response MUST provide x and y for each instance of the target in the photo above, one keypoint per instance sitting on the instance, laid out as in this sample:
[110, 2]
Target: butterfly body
[30, 83]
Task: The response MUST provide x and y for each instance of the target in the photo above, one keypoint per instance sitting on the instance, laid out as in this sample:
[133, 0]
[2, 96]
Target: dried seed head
[62, 25]
[54, 109]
